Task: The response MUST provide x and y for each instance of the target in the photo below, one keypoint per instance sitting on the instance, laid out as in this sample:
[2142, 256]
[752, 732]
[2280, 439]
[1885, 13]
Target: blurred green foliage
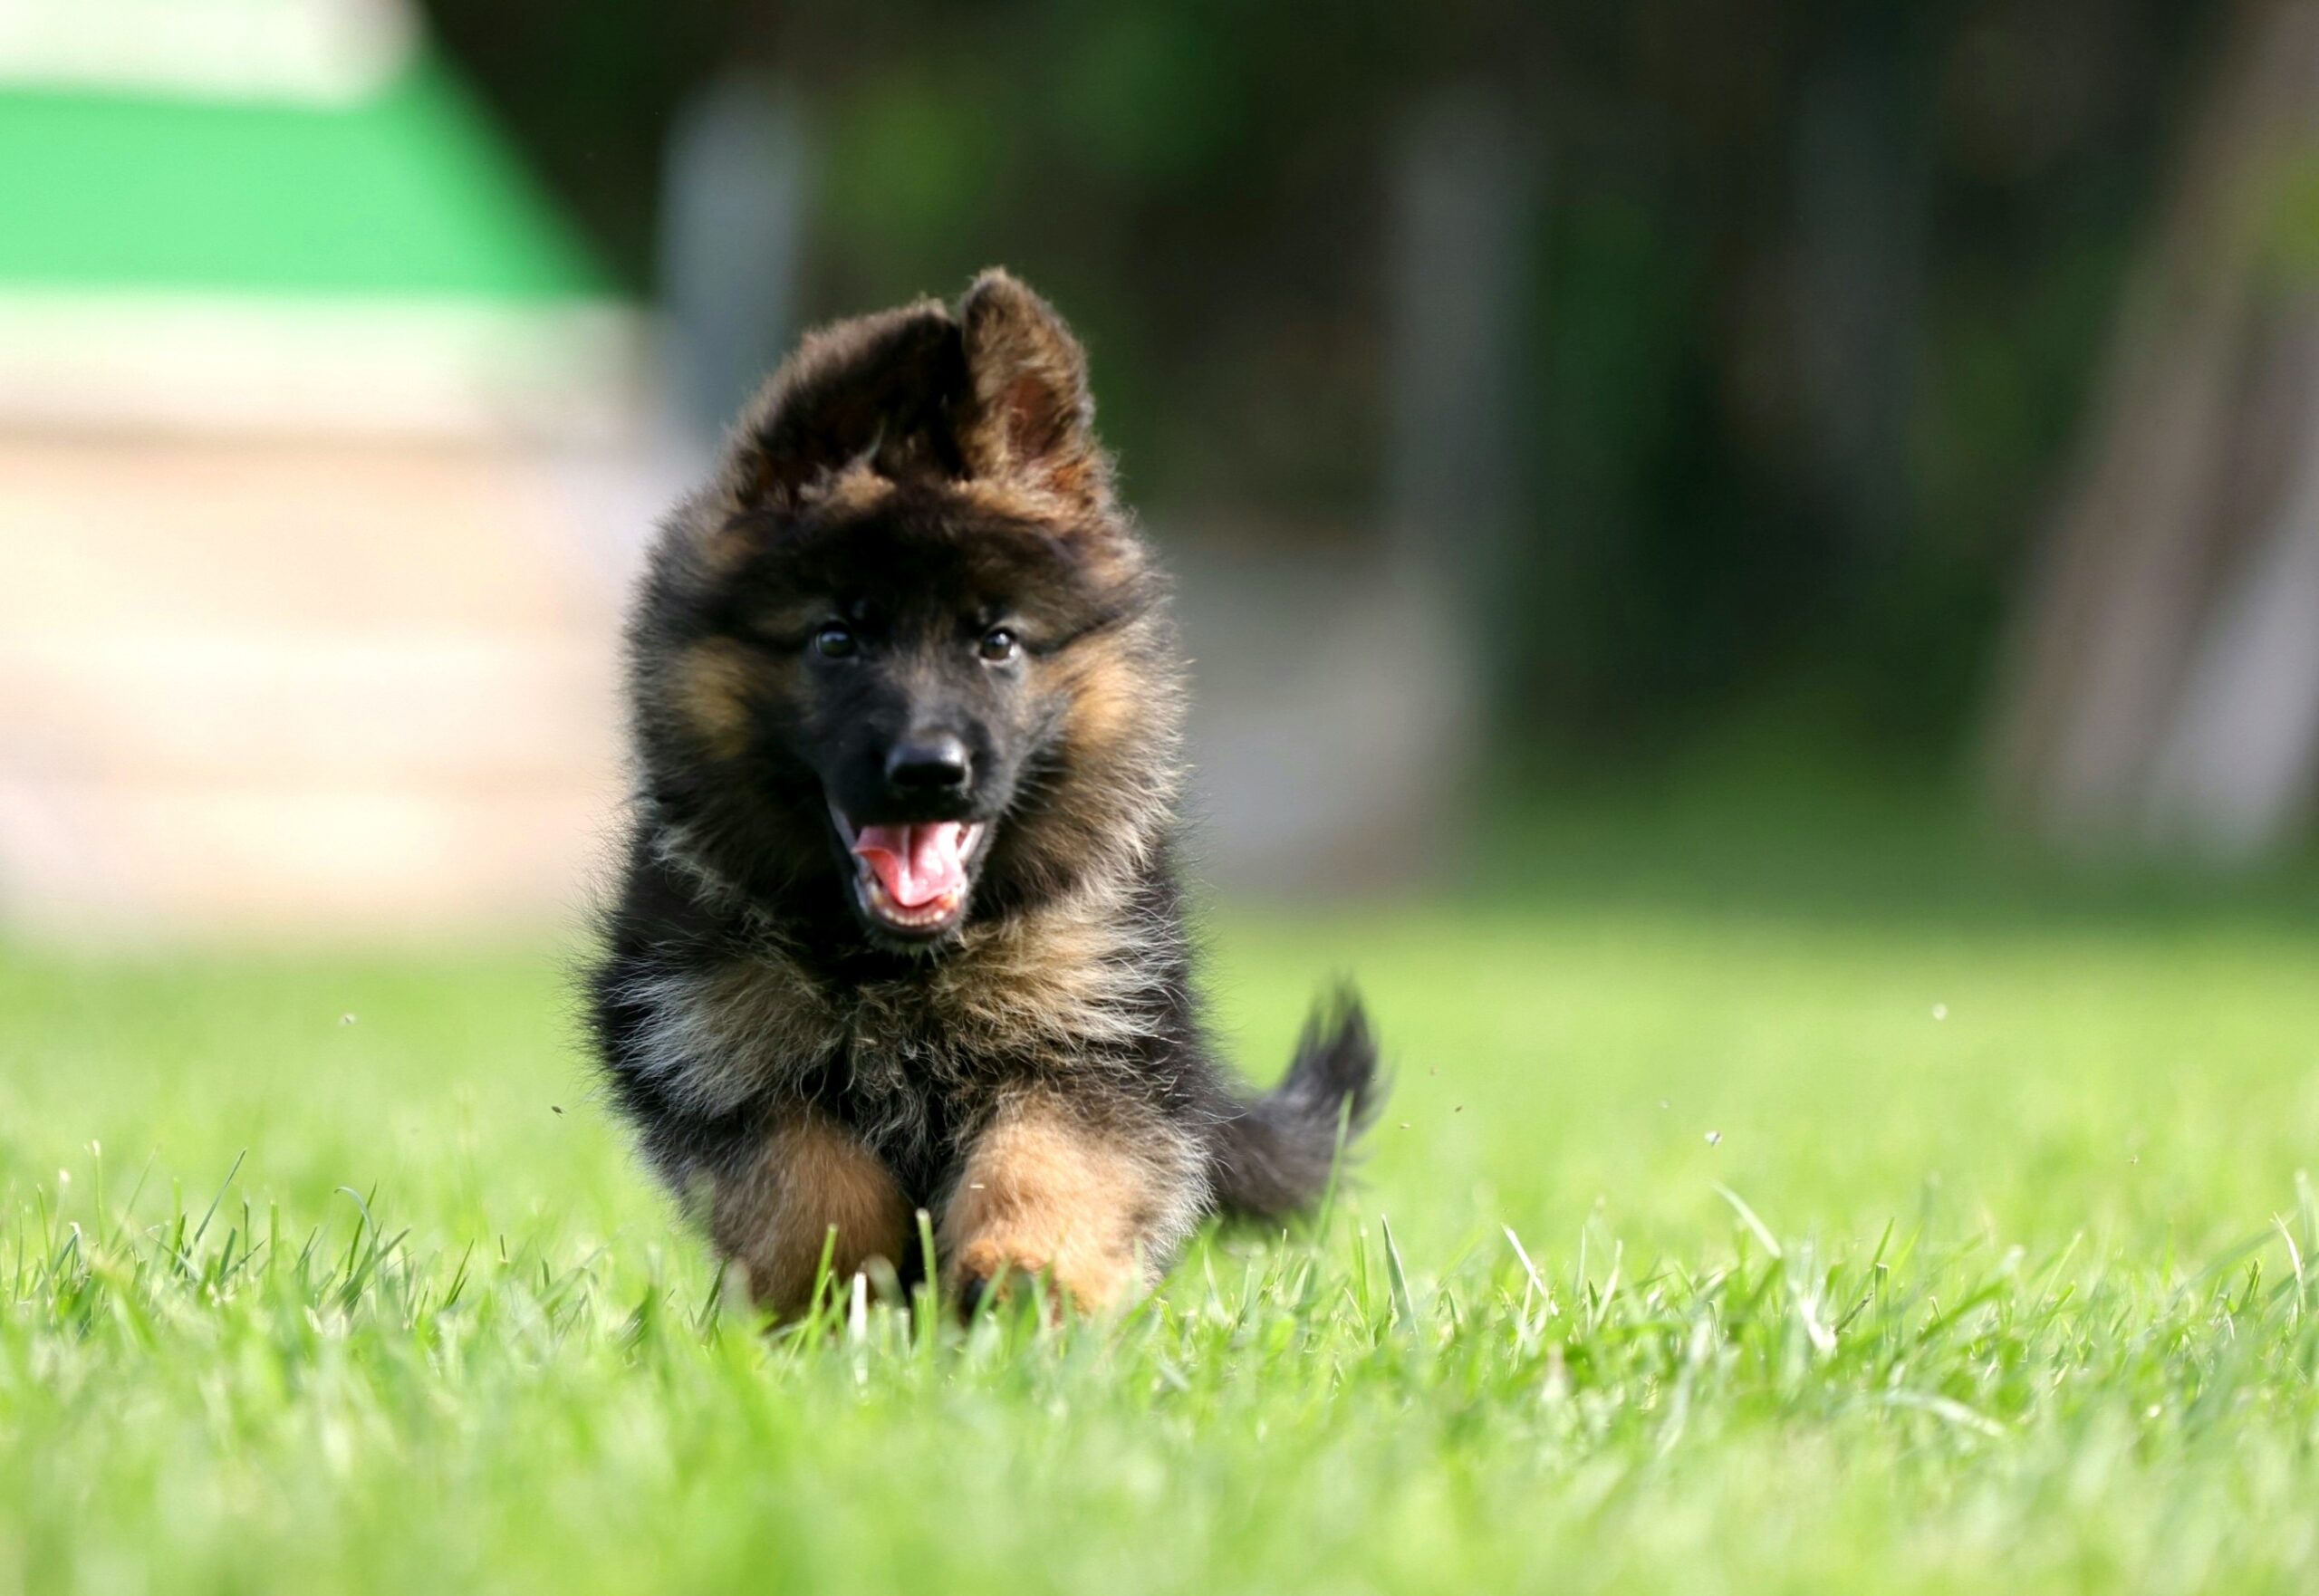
[1204, 188]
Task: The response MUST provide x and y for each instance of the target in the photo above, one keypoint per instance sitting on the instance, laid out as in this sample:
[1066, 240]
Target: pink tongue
[916, 864]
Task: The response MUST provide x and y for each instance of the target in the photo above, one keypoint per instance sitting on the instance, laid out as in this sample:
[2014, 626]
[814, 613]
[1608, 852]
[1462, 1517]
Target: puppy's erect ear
[1032, 419]
[877, 391]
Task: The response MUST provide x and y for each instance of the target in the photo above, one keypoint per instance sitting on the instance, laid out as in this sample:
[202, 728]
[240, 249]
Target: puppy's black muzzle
[928, 767]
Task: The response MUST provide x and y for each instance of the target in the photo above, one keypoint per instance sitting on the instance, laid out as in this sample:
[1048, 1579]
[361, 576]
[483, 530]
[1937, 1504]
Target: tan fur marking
[1108, 697]
[1044, 1192]
[725, 548]
[1053, 982]
[855, 491]
[712, 693]
[1020, 501]
[775, 1218]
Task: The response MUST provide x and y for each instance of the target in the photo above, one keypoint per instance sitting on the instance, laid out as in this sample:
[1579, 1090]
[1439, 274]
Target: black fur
[1274, 1158]
[912, 535]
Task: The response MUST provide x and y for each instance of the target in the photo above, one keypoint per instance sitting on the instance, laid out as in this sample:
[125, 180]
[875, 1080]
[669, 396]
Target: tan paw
[989, 1265]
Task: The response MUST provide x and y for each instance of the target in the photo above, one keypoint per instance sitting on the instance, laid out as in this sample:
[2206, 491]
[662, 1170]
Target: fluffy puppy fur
[899, 926]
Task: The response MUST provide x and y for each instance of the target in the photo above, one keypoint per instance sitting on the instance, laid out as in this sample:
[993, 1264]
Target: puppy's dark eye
[999, 645]
[835, 642]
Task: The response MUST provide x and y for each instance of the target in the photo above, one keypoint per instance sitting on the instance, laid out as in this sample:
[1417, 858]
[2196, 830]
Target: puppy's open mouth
[912, 880]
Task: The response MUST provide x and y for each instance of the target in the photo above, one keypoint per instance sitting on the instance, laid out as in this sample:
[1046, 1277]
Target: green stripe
[408, 192]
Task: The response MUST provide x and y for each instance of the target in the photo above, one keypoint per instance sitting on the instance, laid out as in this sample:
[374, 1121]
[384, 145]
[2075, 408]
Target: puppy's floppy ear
[1032, 419]
[876, 390]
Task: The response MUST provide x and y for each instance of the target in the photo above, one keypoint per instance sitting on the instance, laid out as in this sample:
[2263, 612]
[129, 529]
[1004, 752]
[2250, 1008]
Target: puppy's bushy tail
[1273, 1158]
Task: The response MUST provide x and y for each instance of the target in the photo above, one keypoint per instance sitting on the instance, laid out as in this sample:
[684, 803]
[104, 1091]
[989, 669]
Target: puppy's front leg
[1098, 1202]
[772, 1212]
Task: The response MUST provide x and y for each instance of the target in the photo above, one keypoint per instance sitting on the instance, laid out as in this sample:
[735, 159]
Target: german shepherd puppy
[901, 925]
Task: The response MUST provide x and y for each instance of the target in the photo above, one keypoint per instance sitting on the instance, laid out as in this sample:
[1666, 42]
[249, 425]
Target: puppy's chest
[728, 1034]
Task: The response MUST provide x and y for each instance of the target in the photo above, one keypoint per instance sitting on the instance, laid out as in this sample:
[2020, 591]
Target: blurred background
[1552, 411]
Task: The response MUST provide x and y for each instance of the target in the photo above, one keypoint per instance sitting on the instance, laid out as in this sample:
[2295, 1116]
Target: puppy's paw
[988, 1269]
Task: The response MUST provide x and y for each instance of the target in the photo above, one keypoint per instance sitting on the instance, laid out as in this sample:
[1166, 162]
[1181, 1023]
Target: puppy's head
[903, 662]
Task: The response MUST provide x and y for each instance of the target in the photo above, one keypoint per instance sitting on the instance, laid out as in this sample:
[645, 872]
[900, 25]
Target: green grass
[1824, 1293]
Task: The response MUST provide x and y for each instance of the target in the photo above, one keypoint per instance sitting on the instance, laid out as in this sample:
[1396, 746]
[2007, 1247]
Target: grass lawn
[1886, 1229]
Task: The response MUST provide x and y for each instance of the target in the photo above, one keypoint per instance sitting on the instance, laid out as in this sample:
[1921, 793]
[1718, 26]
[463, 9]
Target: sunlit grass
[1710, 1241]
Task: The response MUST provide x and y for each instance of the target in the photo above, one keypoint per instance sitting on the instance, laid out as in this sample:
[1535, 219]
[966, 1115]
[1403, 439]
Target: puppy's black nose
[935, 764]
